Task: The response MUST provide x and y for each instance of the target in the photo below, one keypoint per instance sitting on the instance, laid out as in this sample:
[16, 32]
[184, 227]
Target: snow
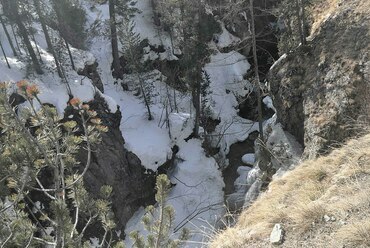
[146, 139]
[286, 150]
[236, 200]
[146, 28]
[249, 158]
[181, 126]
[243, 172]
[198, 181]
[197, 197]
[112, 104]
[198, 192]
[225, 39]
[268, 102]
[52, 89]
[226, 71]
[279, 61]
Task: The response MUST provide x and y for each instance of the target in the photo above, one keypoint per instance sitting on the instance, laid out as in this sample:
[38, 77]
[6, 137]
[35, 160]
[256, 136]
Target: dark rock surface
[113, 165]
[321, 90]
[91, 72]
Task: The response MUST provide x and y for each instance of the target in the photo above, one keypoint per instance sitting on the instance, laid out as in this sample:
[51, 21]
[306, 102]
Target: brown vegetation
[322, 203]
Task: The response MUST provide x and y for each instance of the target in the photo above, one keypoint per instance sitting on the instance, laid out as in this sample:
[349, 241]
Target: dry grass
[320, 12]
[356, 234]
[336, 185]
[323, 9]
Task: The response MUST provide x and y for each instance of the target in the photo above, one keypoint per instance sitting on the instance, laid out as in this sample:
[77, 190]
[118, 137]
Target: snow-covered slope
[53, 89]
[198, 192]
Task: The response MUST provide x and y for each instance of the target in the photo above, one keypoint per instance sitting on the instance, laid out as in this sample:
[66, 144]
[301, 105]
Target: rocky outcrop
[90, 71]
[280, 153]
[113, 165]
[320, 90]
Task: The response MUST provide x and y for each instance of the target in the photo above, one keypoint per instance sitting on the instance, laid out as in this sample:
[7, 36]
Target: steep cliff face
[113, 165]
[320, 90]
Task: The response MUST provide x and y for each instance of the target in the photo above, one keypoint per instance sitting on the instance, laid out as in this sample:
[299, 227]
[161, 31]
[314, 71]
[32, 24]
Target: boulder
[277, 235]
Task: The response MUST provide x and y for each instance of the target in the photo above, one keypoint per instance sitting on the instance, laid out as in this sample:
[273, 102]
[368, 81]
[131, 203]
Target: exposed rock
[282, 154]
[316, 89]
[235, 200]
[90, 71]
[285, 149]
[113, 165]
[328, 218]
[236, 173]
[248, 108]
[253, 192]
[277, 235]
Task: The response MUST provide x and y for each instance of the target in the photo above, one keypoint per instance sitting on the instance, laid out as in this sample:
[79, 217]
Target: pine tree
[185, 19]
[117, 72]
[13, 6]
[195, 54]
[158, 221]
[71, 19]
[256, 70]
[133, 54]
[7, 35]
[206, 99]
[37, 141]
[293, 15]
[3, 51]
[47, 36]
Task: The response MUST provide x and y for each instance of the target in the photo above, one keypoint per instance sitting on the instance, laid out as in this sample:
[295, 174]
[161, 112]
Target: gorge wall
[112, 164]
[320, 90]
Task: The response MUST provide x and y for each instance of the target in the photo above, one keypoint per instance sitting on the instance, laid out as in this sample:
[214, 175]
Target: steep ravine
[320, 90]
[235, 155]
[267, 52]
[112, 164]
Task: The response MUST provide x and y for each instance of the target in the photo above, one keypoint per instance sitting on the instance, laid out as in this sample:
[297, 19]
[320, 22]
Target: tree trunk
[61, 28]
[303, 13]
[146, 100]
[196, 102]
[70, 54]
[16, 40]
[300, 21]
[8, 36]
[37, 48]
[6, 58]
[24, 34]
[114, 40]
[47, 37]
[255, 59]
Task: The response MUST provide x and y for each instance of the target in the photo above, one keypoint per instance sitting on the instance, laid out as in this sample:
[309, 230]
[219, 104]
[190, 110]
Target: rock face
[113, 165]
[318, 88]
[283, 153]
[90, 71]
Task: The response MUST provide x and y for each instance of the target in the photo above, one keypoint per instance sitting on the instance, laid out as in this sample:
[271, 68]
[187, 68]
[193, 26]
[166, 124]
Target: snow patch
[226, 71]
[249, 158]
[225, 39]
[197, 197]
